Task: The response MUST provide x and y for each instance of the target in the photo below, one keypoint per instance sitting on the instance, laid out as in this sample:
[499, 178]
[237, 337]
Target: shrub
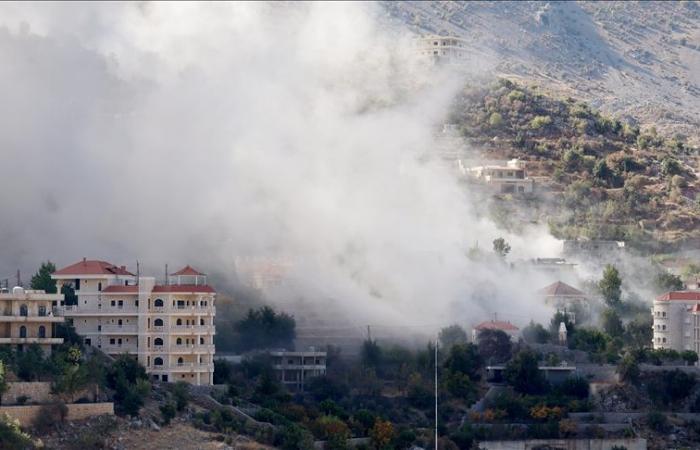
[657, 421]
[12, 436]
[168, 412]
[181, 392]
[540, 122]
[49, 416]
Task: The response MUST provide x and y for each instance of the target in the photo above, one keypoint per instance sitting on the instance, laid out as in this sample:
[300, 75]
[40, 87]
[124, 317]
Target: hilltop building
[507, 327]
[442, 49]
[168, 327]
[29, 317]
[507, 178]
[594, 249]
[293, 369]
[676, 318]
[566, 299]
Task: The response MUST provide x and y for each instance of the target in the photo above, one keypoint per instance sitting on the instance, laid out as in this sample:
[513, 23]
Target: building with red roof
[566, 299]
[507, 327]
[168, 326]
[676, 317]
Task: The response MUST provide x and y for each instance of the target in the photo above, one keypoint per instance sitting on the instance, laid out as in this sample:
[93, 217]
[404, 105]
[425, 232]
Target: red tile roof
[496, 325]
[695, 308]
[117, 289]
[680, 295]
[183, 288]
[187, 270]
[561, 289]
[93, 267]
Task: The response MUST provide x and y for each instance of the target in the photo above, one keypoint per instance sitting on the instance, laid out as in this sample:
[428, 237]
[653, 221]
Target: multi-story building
[442, 49]
[169, 327]
[566, 299]
[676, 317]
[503, 179]
[28, 317]
[293, 369]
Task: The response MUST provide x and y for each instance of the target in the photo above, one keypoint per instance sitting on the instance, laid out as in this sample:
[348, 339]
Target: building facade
[29, 317]
[566, 299]
[442, 49]
[294, 369]
[676, 318]
[511, 330]
[169, 327]
[503, 179]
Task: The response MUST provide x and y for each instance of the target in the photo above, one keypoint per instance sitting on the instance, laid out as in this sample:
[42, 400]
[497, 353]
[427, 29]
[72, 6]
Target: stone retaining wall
[565, 444]
[36, 392]
[26, 414]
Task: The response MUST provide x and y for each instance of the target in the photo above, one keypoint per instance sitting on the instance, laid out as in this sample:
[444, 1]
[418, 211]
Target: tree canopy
[42, 278]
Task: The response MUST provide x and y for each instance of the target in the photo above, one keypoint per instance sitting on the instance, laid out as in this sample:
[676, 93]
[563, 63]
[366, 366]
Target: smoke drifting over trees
[202, 132]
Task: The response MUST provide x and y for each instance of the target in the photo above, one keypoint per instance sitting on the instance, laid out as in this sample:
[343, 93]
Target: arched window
[158, 322]
[158, 361]
[201, 341]
[42, 331]
[201, 322]
[179, 341]
[180, 361]
[158, 341]
[23, 310]
[42, 310]
[23, 331]
[179, 322]
[158, 303]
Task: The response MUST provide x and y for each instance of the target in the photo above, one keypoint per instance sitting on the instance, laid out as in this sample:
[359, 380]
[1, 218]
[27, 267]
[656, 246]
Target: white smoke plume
[203, 132]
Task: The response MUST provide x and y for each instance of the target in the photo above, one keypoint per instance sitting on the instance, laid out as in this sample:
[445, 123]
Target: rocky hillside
[638, 60]
[601, 177]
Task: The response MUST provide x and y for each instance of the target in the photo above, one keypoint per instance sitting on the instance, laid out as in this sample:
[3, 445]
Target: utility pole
[166, 274]
[436, 394]
[19, 279]
[138, 272]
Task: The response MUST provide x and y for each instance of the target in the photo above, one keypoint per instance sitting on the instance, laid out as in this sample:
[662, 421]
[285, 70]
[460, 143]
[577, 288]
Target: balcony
[75, 310]
[187, 329]
[30, 340]
[119, 329]
[51, 318]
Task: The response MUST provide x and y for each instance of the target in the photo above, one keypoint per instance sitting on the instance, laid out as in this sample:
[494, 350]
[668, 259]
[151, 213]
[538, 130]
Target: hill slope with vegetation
[600, 177]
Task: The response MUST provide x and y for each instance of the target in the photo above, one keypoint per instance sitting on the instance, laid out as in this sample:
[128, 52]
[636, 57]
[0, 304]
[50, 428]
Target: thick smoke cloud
[203, 132]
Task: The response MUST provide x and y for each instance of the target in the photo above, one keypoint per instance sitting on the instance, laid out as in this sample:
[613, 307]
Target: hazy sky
[201, 132]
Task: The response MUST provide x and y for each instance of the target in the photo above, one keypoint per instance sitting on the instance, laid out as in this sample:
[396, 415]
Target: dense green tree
[181, 393]
[264, 328]
[371, 354]
[3, 380]
[611, 322]
[168, 412]
[535, 333]
[31, 364]
[665, 282]
[628, 369]
[588, 340]
[295, 437]
[639, 333]
[449, 336]
[501, 247]
[494, 345]
[523, 373]
[42, 279]
[73, 378]
[690, 357]
[464, 359]
[610, 286]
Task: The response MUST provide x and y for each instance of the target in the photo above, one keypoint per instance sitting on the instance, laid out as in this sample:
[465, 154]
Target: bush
[574, 387]
[294, 437]
[181, 392]
[168, 412]
[50, 416]
[12, 436]
[523, 373]
[657, 421]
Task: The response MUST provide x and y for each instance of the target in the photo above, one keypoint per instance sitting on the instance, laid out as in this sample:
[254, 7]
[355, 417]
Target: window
[42, 310]
[201, 322]
[99, 327]
[158, 303]
[111, 341]
[158, 322]
[179, 322]
[158, 362]
[88, 341]
[23, 331]
[179, 341]
[663, 314]
[180, 361]
[42, 331]
[201, 341]
[113, 303]
[99, 287]
[119, 322]
[119, 341]
[121, 303]
[23, 310]
[663, 340]
[663, 327]
[158, 341]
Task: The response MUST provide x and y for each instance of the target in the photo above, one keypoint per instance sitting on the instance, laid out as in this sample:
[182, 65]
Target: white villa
[676, 317]
[503, 179]
[27, 317]
[169, 327]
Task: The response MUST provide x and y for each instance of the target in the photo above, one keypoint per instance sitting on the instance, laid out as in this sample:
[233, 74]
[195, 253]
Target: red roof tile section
[496, 325]
[182, 288]
[695, 308]
[187, 270]
[680, 295]
[120, 289]
[561, 289]
[93, 267]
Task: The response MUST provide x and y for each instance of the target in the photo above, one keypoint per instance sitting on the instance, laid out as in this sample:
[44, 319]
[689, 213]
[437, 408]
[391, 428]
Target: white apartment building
[503, 179]
[294, 369]
[676, 317]
[28, 317]
[169, 327]
[442, 49]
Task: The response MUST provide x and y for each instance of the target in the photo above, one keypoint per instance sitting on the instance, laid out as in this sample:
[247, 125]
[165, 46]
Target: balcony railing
[119, 329]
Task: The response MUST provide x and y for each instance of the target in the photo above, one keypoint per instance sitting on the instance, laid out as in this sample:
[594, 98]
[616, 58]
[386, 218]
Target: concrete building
[438, 49]
[566, 299]
[168, 327]
[294, 369]
[28, 317]
[676, 317]
[507, 327]
[594, 249]
[502, 179]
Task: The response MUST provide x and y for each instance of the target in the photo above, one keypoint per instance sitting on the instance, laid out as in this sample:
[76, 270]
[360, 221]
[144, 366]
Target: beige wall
[76, 411]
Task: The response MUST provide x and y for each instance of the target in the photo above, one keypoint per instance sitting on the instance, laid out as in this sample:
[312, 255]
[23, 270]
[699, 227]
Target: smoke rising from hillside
[201, 132]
